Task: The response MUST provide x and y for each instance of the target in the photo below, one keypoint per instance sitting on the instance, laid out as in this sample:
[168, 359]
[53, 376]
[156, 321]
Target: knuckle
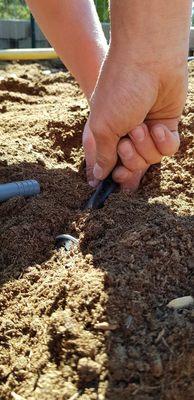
[101, 128]
[123, 149]
[97, 126]
[87, 141]
[105, 159]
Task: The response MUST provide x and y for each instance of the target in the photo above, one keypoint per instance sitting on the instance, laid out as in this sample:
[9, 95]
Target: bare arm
[152, 29]
[144, 77]
[74, 30]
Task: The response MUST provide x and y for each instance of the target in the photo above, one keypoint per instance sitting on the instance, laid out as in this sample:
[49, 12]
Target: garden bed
[93, 321]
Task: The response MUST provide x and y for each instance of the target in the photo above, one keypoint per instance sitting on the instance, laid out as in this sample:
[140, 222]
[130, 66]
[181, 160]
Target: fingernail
[93, 183]
[98, 172]
[159, 134]
[139, 134]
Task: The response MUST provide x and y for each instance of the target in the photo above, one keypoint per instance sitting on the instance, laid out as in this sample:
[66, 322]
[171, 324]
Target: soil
[90, 323]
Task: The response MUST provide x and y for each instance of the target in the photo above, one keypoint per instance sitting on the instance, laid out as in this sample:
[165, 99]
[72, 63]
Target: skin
[142, 87]
[76, 34]
[136, 88]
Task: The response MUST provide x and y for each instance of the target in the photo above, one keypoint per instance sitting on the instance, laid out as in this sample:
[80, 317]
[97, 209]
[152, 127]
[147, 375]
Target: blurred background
[18, 29]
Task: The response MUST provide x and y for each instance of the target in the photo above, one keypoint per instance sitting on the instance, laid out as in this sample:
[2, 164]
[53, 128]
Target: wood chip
[17, 396]
[181, 302]
[160, 336]
[105, 326]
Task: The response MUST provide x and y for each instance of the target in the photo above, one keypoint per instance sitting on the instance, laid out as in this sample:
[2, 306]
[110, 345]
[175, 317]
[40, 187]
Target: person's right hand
[128, 94]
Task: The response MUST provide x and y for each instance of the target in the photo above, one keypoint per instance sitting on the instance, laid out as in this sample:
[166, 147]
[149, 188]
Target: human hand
[121, 102]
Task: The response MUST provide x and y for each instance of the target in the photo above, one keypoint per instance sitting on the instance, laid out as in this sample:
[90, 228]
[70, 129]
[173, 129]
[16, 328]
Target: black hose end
[103, 191]
[66, 241]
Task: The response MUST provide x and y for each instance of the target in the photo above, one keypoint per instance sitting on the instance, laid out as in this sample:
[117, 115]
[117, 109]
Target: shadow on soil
[144, 251]
[29, 226]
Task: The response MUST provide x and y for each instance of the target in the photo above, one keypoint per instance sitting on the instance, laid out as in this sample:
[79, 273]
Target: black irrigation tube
[103, 191]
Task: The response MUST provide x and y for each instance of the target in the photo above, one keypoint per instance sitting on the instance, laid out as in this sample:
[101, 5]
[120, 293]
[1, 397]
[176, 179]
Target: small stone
[16, 396]
[181, 302]
[12, 76]
[105, 326]
[41, 161]
[46, 72]
[29, 148]
[88, 369]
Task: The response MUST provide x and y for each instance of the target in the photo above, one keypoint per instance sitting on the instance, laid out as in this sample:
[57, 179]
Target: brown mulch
[93, 321]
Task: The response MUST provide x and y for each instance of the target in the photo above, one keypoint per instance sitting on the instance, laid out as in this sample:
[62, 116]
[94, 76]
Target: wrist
[88, 75]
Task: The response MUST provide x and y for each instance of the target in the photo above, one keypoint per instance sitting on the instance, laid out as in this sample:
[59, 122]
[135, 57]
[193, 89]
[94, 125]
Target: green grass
[17, 9]
[102, 8]
[13, 9]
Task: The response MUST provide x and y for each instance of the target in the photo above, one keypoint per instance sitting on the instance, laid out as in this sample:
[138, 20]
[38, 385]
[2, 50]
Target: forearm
[152, 29]
[74, 30]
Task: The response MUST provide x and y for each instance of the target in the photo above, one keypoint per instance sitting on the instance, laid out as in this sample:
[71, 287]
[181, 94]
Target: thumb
[106, 148]
[89, 146]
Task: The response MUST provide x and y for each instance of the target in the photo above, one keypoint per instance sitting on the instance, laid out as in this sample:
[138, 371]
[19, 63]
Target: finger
[167, 142]
[106, 149]
[171, 123]
[129, 156]
[144, 144]
[89, 146]
[128, 180]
